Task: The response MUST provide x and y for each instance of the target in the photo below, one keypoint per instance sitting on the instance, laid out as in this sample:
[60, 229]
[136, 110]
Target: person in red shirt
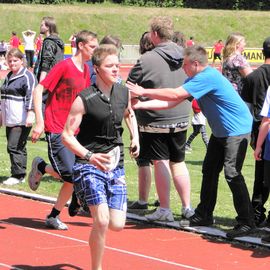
[190, 42]
[217, 49]
[63, 83]
[38, 43]
[14, 40]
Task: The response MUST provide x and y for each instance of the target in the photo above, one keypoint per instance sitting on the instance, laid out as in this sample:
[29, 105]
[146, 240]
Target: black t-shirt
[101, 127]
[255, 88]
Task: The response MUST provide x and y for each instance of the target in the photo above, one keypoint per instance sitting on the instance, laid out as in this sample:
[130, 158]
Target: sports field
[27, 244]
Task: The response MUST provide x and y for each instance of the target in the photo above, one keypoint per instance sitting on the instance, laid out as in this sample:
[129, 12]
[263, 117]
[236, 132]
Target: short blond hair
[163, 26]
[101, 52]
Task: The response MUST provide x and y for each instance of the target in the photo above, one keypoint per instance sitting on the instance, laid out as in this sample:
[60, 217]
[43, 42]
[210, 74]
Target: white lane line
[10, 267]
[107, 247]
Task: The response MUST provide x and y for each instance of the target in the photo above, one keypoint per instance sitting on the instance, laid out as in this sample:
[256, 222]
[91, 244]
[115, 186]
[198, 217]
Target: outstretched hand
[134, 89]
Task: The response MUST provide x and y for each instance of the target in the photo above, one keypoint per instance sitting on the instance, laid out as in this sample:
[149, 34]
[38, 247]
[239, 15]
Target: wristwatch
[88, 155]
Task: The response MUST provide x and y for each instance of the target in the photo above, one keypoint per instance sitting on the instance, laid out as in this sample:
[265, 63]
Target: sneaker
[196, 220]
[13, 181]
[161, 214]
[156, 203]
[35, 175]
[138, 205]
[259, 217]
[55, 223]
[239, 230]
[266, 239]
[187, 212]
[74, 206]
[188, 149]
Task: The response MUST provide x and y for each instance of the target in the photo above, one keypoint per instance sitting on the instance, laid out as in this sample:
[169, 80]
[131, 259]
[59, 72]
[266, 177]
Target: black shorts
[143, 162]
[62, 160]
[163, 146]
[217, 56]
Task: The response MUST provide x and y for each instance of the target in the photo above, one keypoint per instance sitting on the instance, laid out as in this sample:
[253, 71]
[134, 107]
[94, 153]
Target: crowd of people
[80, 102]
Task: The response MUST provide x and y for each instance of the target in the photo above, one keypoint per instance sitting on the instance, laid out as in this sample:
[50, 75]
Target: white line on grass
[107, 247]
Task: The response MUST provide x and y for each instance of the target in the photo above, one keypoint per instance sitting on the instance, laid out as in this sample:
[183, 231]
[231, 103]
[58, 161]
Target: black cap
[266, 45]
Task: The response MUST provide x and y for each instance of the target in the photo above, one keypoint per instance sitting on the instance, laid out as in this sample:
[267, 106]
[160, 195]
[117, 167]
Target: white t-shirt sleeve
[266, 105]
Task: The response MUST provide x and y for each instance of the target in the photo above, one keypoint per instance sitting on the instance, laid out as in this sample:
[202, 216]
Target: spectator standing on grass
[199, 126]
[144, 165]
[52, 50]
[98, 173]
[3, 63]
[179, 39]
[230, 122]
[17, 113]
[262, 150]
[63, 83]
[190, 42]
[217, 52]
[163, 133]
[235, 66]
[14, 41]
[253, 93]
[72, 40]
[29, 46]
[38, 43]
[3, 48]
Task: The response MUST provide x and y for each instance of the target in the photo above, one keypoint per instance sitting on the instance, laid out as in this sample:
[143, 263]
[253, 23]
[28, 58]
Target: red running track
[25, 243]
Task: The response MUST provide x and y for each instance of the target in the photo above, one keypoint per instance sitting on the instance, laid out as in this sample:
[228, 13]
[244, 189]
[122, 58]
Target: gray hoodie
[161, 68]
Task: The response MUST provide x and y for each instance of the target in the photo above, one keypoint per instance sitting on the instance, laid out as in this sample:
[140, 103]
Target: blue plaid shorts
[95, 187]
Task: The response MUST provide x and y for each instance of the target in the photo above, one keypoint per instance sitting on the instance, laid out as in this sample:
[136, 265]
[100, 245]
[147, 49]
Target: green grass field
[129, 23]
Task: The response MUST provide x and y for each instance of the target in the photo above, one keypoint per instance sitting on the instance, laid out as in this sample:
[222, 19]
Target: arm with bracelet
[69, 140]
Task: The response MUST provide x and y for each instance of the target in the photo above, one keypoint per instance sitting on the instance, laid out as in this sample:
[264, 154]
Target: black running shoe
[240, 230]
[74, 207]
[136, 205]
[266, 239]
[196, 220]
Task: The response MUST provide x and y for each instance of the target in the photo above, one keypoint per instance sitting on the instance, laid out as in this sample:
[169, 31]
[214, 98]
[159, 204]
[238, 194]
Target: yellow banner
[253, 55]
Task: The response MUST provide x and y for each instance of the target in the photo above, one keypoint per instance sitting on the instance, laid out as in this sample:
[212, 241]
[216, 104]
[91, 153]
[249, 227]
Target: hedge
[205, 4]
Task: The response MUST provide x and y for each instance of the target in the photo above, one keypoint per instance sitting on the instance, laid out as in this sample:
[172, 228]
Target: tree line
[206, 4]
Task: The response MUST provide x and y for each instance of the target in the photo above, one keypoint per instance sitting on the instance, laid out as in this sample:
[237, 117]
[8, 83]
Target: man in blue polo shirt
[230, 122]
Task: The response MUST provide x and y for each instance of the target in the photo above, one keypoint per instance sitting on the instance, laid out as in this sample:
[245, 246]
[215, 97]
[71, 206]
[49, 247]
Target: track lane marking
[107, 247]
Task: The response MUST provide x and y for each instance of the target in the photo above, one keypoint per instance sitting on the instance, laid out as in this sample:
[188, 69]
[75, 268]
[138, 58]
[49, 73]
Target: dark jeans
[260, 190]
[228, 152]
[29, 54]
[16, 147]
[196, 130]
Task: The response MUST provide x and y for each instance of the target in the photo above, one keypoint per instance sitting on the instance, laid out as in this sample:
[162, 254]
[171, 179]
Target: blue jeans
[228, 153]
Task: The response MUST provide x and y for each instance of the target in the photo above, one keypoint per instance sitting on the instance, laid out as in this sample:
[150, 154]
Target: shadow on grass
[3, 178]
[194, 162]
[61, 266]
